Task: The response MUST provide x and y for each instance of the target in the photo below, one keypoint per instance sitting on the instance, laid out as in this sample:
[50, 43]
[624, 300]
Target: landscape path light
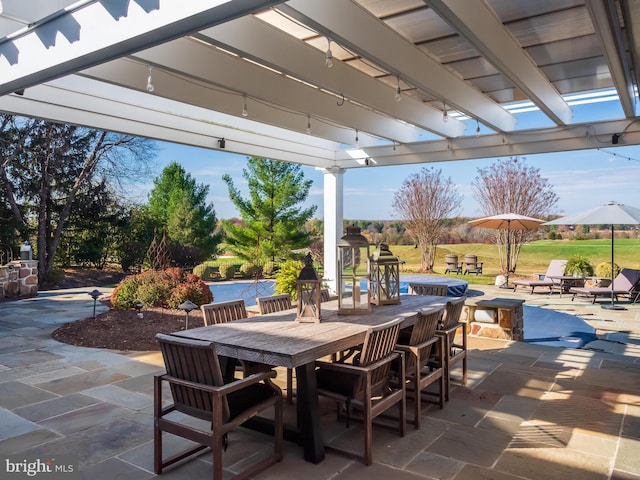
[94, 294]
[187, 306]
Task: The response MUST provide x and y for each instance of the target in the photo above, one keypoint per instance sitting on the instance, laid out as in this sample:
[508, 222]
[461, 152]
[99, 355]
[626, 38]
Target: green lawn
[534, 257]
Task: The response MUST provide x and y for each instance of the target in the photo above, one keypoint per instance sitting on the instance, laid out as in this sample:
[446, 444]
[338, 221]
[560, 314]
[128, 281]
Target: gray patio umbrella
[610, 214]
[508, 222]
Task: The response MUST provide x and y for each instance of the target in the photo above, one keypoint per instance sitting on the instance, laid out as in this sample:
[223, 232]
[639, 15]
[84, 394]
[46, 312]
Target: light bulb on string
[398, 91]
[477, 128]
[445, 114]
[308, 123]
[245, 112]
[329, 55]
[150, 86]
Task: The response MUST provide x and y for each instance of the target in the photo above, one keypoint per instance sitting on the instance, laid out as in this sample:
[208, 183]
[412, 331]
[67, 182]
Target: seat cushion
[341, 383]
[245, 398]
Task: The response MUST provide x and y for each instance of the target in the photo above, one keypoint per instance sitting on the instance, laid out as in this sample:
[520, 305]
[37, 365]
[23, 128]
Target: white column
[333, 215]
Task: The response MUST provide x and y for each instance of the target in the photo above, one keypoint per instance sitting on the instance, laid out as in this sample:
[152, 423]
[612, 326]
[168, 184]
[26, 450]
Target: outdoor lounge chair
[453, 266]
[198, 391]
[555, 269]
[471, 265]
[625, 284]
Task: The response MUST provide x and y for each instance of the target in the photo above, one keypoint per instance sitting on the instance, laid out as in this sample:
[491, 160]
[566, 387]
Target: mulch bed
[123, 330]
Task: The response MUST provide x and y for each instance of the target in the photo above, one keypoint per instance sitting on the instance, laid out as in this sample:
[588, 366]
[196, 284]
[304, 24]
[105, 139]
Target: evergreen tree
[273, 222]
[178, 204]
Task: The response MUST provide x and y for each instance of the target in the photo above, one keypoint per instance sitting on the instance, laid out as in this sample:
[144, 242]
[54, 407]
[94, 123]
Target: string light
[357, 140]
[245, 112]
[398, 92]
[329, 55]
[308, 123]
[445, 115]
[150, 86]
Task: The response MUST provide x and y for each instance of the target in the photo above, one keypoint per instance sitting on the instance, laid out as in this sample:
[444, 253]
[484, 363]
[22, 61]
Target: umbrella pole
[612, 306]
[506, 285]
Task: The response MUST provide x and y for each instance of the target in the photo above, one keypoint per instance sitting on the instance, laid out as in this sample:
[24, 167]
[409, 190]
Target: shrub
[55, 276]
[248, 270]
[579, 265]
[603, 270]
[227, 271]
[269, 269]
[166, 288]
[203, 271]
[287, 277]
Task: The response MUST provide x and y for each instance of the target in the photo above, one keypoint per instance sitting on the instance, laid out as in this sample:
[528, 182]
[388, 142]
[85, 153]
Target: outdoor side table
[568, 281]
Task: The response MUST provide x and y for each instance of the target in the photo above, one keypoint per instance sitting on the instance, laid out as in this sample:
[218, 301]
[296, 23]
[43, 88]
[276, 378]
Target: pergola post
[333, 216]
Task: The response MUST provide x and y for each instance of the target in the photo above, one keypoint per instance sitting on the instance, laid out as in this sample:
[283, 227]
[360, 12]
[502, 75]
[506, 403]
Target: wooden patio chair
[272, 304]
[366, 384]
[228, 311]
[471, 265]
[197, 390]
[439, 290]
[421, 370]
[453, 266]
[325, 296]
[453, 352]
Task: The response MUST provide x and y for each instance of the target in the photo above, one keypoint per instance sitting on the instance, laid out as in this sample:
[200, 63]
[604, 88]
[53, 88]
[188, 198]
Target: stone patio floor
[527, 412]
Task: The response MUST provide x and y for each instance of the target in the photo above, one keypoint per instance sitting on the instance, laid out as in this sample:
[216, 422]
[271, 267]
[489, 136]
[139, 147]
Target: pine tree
[273, 223]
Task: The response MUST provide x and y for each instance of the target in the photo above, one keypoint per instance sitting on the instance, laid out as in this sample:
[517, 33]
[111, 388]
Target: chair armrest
[225, 389]
[414, 349]
[356, 369]
[450, 329]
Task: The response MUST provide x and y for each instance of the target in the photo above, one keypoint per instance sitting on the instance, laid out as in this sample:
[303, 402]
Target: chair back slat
[424, 329]
[435, 289]
[325, 296]
[379, 342]
[452, 313]
[274, 303]
[223, 312]
[194, 361]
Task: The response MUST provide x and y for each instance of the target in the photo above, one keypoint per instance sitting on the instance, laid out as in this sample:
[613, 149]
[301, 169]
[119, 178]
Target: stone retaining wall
[19, 278]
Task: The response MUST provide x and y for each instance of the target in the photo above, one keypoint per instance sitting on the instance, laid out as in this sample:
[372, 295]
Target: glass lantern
[385, 277]
[353, 273]
[308, 288]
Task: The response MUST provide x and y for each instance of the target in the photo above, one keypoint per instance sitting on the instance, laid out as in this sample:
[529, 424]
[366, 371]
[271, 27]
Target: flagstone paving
[527, 411]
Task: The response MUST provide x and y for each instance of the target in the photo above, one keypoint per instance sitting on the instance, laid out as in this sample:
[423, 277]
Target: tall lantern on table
[308, 287]
[353, 271]
[385, 277]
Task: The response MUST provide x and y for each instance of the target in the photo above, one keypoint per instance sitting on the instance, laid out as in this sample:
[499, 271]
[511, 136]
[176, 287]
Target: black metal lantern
[385, 277]
[308, 288]
[353, 273]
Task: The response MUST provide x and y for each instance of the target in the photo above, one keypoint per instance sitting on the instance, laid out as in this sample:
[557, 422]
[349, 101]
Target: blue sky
[581, 179]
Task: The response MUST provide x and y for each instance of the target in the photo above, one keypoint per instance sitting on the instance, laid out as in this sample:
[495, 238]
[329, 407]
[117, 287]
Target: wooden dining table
[277, 339]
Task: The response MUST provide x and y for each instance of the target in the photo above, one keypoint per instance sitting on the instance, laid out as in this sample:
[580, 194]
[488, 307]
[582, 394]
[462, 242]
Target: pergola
[333, 84]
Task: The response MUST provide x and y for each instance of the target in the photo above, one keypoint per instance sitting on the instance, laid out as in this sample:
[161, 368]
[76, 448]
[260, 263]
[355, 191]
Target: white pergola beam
[283, 102]
[604, 16]
[118, 110]
[359, 31]
[253, 38]
[484, 30]
[96, 32]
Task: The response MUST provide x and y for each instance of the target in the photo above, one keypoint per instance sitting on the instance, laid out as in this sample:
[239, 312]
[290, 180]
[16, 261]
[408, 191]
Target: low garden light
[385, 277]
[187, 306]
[94, 294]
[353, 270]
[138, 306]
[308, 286]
